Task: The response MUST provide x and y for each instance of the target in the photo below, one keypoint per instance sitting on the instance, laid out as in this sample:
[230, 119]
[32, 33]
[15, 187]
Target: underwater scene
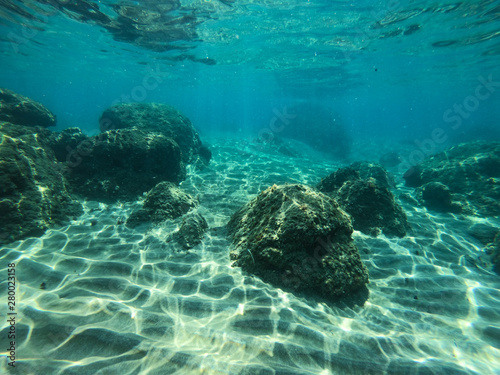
[250, 187]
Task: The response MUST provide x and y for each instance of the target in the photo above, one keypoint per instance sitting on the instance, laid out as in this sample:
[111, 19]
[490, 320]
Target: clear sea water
[120, 301]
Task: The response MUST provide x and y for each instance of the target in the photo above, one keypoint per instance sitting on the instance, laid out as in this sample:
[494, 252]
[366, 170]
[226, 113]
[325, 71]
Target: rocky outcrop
[118, 164]
[374, 170]
[33, 192]
[437, 196]
[372, 207]
[20, 110]
[298, 239]
[362, 190]
[164, 202]
[470, 171]
[159, 118]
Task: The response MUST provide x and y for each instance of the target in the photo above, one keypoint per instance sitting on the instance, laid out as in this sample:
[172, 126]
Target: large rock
[164, 202]
[20, 110]
[299, 239]
[372, 207]
[118, 164]
[438, 197]
[33, 191]
[161, 118]
[470, 171]
[362, 190]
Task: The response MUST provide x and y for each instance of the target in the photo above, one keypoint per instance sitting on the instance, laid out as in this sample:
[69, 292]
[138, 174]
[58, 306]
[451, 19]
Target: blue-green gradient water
[391, 71]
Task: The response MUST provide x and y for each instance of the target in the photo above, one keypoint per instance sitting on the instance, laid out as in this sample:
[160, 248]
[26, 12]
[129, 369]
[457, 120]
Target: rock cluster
[466, 177]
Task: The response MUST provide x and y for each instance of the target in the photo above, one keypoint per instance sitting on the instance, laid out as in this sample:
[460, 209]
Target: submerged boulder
[299, 239]
[334, 181]
[33, 191]
[362, 190]
[372, 207]
[163, 202]
[437, 196]
[159, 118]
[374, 170]
[471, 172]
[119, 164]
[20, 110]
[191, 231]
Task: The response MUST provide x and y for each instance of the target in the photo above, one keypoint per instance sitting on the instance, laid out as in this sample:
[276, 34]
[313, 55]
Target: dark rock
[437, 196]
[20, 110]
[334, 181]
[316, 126]
[470, 170]
[160, 118]
[362, 190]
[205, 154]
[120, 164]
[412, 176]
[390, 159]
[192, 230]
[33, 191]
[70, 144]
[372, 207]
[298, 239]
[164, 202]
[375, 170]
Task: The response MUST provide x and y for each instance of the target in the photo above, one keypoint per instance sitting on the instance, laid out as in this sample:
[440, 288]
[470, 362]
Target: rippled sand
[122, 301]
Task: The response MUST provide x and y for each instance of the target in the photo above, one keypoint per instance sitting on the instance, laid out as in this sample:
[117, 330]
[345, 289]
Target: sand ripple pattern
[121, 301]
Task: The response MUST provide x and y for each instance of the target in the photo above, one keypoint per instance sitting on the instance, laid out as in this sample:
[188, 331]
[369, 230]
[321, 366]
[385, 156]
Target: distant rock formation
[20, 110]
[317, 127]
[469, 171]
[158, 118]
[362, 190]
[298, 239]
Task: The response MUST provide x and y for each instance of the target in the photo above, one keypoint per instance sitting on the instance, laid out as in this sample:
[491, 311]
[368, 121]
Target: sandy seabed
[96, 297]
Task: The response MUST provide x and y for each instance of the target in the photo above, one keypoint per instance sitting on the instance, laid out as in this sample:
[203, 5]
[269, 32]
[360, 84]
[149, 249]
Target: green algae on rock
[20, 110]
[299, 239]
[163, 202]
[160, 118]
[33, 191]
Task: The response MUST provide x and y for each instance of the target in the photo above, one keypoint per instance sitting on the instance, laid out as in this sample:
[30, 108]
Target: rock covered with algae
[298, 239]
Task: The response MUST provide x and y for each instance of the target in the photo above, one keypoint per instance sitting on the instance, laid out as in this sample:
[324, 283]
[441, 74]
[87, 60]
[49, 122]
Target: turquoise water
[123, 301]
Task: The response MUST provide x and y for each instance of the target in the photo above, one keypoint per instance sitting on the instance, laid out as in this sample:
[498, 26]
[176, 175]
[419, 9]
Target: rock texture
[372, 207]
[192, 230]
[362, 190]
[33, 192]
[299, 239]
[118, 164]
[20, 110]
[471, 172]
[164, 202]
[438, 197]
[160, 118]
